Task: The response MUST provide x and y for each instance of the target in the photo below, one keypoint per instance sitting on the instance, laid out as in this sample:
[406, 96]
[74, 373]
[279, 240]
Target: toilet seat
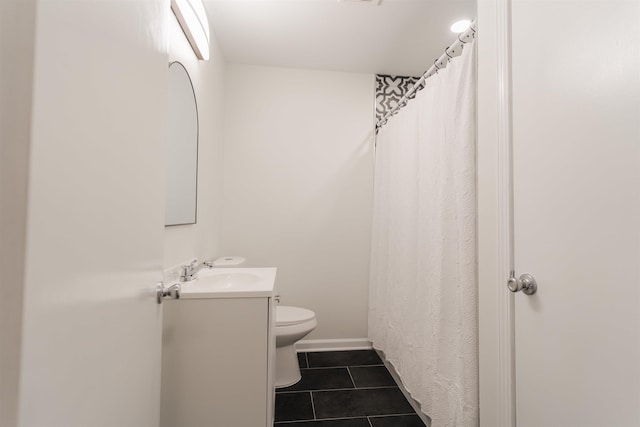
[287, 316]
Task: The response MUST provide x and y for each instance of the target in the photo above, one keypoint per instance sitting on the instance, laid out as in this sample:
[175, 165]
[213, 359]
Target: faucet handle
[173, 292]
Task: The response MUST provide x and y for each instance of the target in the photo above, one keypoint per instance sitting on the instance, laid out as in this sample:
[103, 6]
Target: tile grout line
[313, 407]
[351, 376]
[357, 417]
[404, 414]
[354, 417]
[338, 389]
[322, 419]
[343, 366]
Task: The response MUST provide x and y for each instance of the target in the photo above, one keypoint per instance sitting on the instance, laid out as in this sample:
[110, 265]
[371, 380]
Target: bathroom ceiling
[401, 37]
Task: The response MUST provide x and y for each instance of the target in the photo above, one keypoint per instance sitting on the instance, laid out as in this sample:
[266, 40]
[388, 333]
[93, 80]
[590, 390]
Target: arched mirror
[181, 154]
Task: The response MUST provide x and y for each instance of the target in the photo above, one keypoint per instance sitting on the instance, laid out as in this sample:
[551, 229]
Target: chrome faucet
[190, 271]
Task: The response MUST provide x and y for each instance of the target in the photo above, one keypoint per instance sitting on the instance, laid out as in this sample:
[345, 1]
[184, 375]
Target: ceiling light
[460, 26]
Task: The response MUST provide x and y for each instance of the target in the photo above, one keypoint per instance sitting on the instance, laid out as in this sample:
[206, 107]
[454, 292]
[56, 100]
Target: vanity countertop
[231, 283]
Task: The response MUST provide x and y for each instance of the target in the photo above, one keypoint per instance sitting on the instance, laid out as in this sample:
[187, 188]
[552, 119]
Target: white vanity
[218, 356]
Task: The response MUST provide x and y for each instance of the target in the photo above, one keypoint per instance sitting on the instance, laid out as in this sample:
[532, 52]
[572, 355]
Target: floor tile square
[397, 421]
[321, 379]
[302, 360]
[348, 422]
[343, 358]
[371, 376]
[294, 406]
[360, 402]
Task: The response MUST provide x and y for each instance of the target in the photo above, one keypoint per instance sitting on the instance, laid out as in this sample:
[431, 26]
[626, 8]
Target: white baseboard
[340, 344]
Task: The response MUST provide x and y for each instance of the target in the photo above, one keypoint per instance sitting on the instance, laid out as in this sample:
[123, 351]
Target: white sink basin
[230, 283]
[230, 280]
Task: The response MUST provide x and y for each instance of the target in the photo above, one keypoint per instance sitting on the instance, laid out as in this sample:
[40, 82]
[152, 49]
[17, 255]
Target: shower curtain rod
[450, 52]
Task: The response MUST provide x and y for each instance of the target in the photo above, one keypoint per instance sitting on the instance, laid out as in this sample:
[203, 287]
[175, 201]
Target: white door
[91, 333]
[576, 112]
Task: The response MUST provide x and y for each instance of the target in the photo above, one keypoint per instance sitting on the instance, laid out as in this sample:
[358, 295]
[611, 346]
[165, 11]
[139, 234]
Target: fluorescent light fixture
[460, 26]
[193, 20]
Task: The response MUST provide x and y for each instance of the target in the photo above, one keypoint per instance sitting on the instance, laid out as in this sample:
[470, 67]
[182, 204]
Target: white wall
[17, 34]
[298, 187]
[201, 240]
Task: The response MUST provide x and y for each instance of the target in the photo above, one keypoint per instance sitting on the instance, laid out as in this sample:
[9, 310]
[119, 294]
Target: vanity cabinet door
[215, 362]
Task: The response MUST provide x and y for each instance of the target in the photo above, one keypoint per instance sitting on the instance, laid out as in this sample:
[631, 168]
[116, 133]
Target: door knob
[172, 292]
[525, 283]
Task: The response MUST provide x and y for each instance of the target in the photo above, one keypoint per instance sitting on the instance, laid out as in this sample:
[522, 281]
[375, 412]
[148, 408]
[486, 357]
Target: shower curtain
[423, 290]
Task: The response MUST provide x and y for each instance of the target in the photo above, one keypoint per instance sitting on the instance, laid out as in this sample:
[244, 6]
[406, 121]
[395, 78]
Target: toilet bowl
[292, 324]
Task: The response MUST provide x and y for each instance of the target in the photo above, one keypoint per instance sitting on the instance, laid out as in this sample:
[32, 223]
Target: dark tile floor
[344, 389]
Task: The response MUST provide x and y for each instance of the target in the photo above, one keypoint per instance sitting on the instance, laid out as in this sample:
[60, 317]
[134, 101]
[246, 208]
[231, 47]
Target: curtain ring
[436, 65]
[447, 53]
[461, 41]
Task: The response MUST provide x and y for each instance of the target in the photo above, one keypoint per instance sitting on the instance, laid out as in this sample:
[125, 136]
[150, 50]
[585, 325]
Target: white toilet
[292, 324]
